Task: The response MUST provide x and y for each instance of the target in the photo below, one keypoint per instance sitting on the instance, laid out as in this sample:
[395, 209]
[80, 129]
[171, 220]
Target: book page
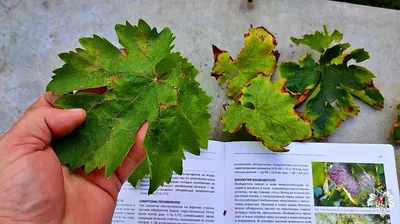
[313, 183]
[195, 197]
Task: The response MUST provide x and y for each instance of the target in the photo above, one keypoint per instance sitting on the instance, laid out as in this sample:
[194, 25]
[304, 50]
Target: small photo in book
[347, 184]
[324, 218]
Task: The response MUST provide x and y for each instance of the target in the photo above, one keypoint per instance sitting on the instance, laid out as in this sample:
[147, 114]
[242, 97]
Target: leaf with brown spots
[257, 56]
[266, 110]
[330, 84]
[146, 82]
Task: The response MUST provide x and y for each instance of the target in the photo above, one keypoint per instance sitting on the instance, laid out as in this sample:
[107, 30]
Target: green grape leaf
[257, 56]
[268, 114]
[318, 41]
[329, 86]
[150, 83]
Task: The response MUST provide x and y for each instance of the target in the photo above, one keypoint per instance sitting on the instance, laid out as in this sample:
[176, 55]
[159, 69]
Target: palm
[85, 200]
[36, 188]
[55, 194]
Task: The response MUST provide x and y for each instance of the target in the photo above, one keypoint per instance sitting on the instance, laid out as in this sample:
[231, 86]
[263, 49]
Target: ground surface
[390, 4]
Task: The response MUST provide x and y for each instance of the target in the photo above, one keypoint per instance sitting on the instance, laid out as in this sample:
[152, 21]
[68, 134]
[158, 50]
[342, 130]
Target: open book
[243, 182]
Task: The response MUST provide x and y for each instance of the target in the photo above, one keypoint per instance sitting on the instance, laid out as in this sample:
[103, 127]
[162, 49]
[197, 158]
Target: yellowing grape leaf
[267, 112]
[330, 86]
[257, 56]
[149, 83]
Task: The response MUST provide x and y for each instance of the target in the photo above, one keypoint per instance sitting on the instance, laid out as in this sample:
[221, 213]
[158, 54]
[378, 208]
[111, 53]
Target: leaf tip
[295, 40]
[63, 56]
[151, 190]
[119, 26]
[216, 53]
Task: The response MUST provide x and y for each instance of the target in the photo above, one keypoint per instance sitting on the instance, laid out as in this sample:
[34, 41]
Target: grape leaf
[395, 132]
[257, 56]
[149, 83]
[318, 41]
[268, 114]
[329, 86]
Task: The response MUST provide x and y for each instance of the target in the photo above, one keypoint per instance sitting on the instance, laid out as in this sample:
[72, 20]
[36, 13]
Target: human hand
[36, 188]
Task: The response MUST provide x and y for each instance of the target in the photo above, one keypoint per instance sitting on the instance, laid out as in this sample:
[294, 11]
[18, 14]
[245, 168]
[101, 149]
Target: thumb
[46, 123]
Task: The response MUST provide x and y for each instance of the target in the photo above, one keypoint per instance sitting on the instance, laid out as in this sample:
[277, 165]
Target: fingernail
[123, 51]
[76, 110]
[51, 97]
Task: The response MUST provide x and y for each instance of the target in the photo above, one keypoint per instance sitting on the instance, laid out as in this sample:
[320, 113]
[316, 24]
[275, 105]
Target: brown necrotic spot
[273, 37]
[163, 106]
[349, 109]
[157, 77]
